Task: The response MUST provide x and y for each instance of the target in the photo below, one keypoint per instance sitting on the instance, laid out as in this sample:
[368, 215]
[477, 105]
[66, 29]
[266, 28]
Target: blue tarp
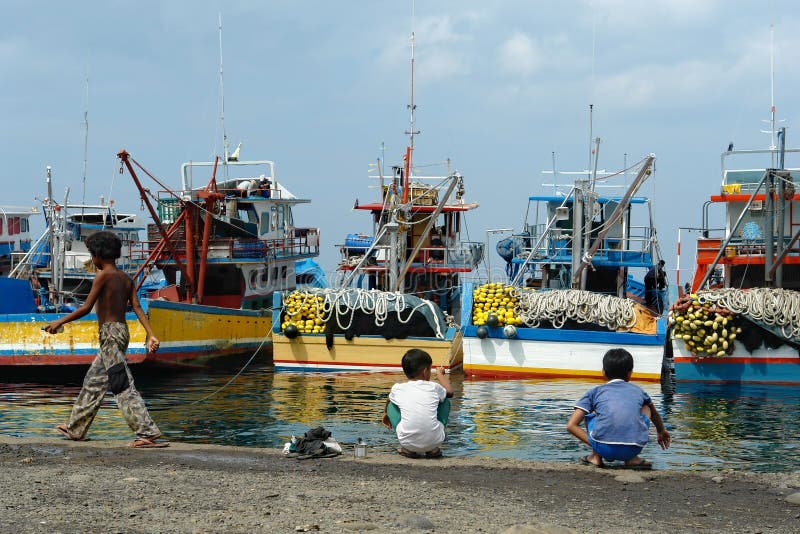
[16, 296]
[309, 273]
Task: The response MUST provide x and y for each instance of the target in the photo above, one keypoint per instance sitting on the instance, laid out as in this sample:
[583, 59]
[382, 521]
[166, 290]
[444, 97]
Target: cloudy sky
[318, 85]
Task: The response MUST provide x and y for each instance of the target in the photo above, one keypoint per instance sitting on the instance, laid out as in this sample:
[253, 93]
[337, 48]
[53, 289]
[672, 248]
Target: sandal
[409, 454]
[586, 461]
[144, 443]
[435, 453]
[641, 465]
[64, 431]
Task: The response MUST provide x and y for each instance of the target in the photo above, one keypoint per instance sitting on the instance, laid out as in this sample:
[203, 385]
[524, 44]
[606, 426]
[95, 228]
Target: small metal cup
[360, 450]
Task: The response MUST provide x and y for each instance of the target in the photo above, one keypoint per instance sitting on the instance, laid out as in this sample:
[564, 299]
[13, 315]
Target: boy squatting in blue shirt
[618, 416]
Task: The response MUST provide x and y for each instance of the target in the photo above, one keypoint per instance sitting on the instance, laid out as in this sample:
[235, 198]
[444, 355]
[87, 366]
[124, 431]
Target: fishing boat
[83, 220]
[15, 235]
[27, 305]
[738, 320]
[220, 251]
[398, 286]
[223, 249]
[572, 291]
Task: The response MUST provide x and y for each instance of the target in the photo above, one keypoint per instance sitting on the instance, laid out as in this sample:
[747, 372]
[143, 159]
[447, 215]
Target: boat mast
[772, 145]
[85, 143]
[398, 239]
[225, 146]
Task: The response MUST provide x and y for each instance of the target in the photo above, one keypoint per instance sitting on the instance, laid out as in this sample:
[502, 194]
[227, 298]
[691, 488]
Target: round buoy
[291, 331]
[492, 320]
[482, 332]
[510, 331]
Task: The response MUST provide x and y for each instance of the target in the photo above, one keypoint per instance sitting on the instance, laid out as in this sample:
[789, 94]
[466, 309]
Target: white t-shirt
[418, 400]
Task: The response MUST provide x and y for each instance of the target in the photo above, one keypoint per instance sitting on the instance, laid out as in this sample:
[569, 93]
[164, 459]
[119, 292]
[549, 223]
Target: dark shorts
[612, 452]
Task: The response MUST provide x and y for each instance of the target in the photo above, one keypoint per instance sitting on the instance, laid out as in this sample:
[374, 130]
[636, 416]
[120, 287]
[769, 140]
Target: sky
[318, 86]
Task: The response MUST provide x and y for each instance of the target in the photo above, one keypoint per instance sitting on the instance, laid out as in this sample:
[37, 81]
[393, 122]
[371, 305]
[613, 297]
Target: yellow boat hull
[362, 353]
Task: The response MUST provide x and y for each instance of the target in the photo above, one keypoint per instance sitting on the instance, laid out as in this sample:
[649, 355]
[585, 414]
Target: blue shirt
[618, 408]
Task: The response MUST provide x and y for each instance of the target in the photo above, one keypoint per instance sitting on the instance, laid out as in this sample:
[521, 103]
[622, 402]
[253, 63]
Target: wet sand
[53, 485]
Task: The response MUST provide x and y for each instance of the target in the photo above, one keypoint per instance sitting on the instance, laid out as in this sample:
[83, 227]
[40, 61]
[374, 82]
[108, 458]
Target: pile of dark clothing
[315, 443]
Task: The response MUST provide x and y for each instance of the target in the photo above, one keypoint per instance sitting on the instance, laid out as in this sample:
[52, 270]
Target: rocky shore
[52, 485]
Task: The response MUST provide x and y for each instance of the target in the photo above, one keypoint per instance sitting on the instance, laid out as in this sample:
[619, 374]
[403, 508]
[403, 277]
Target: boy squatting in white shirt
[418, 409]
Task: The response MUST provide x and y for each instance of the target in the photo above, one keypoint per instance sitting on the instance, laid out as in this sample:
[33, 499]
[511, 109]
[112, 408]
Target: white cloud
[520, 55]
[439, 48]
[438, 29]
[641, 13]
[441, 65]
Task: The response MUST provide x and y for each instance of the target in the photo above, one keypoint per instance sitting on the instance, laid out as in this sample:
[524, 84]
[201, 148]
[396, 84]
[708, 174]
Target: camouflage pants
[109, 371]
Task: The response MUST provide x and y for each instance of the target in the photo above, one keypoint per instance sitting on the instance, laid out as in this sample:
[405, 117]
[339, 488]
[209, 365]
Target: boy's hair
[104, 245]
[415, 361]
[617, 363]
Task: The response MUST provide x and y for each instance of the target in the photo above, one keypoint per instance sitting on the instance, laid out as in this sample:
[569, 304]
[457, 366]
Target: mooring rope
[557, 306]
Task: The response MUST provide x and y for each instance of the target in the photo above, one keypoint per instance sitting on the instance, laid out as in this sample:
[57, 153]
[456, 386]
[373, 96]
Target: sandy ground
[52, 485]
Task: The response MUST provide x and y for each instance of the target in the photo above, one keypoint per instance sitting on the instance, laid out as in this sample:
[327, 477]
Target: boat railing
[746, 188]
[464, 255]
[749, 241]
[557, 246]
[304, 242]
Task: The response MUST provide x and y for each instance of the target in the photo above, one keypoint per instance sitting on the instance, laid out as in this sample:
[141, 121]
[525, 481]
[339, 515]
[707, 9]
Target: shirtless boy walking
[111, 292]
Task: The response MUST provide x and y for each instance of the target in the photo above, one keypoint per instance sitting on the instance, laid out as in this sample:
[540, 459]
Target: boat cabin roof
[16, 211]
[752, 176]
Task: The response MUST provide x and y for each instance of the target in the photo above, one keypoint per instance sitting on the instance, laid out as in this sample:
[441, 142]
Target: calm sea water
[747, 428]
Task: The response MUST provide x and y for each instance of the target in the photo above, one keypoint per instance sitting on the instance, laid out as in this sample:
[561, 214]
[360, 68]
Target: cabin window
[274, 273]
[253, 278]
[1, 224]
[282, 217]
[13, 225]
[283, 273]
[273, 217]
[264, 223]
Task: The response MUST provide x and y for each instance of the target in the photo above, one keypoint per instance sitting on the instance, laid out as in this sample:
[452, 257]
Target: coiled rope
[342, 304]
[773, 307]
[557, 306]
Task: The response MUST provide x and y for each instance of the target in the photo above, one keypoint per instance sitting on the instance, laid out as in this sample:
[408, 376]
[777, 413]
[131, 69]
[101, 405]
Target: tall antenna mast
[411, 132]
[591, 91]
[225, 146]
[85, 140]
[412, 106]
[772, 145]
[591, 140]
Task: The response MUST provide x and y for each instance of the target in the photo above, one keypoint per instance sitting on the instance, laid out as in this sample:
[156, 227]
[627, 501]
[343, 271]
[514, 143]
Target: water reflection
[713, 426]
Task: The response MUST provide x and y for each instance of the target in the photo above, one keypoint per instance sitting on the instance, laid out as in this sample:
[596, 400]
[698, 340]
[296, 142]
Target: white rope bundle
[341, 304]
[557, 306]
[774, 307]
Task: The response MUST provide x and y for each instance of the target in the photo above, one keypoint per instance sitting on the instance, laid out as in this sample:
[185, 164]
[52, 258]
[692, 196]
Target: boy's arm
[152, 340]
[444, 380]
[84, 308]
[663, 437]
[574, 425]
